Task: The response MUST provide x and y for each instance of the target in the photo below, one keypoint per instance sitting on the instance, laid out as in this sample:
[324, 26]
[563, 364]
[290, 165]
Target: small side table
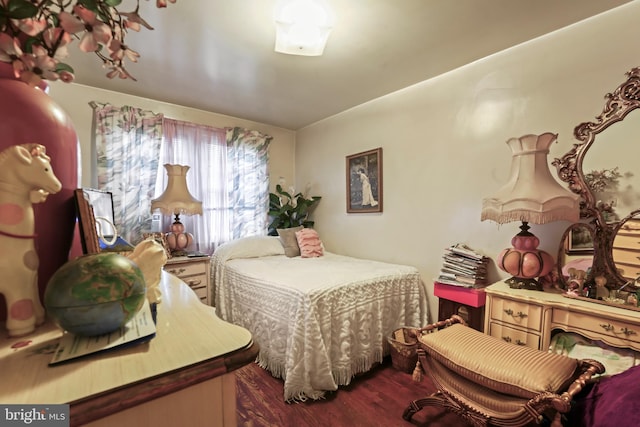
[467, 303]
[194, 271]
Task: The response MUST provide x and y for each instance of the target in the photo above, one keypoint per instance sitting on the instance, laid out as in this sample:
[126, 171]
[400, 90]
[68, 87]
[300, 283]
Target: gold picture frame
[579, 240]
[364, 181]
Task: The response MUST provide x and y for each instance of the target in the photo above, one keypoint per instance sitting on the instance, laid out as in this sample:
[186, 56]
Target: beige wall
[444, 145]
[75, 100]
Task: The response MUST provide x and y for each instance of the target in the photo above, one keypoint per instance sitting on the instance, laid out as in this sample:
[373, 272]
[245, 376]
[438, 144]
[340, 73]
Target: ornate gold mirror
[602, 253]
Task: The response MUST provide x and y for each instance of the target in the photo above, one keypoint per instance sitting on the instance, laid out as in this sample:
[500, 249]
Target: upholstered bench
[490, 382]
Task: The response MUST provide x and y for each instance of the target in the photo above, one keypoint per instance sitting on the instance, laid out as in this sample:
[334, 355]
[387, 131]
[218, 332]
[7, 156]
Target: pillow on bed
[309, 243]
[289, 241]
[251, 247]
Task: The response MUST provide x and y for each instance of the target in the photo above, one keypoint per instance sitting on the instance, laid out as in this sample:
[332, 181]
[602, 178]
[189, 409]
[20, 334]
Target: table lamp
[177, 200]
[532, 195]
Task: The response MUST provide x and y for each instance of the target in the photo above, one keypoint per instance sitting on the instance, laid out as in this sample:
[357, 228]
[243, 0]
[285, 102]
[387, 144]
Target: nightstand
[467, 303]
[194, 271]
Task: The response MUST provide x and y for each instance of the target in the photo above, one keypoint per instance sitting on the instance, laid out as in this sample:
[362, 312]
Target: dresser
[626, 249]
[525, 317]
[195, 272]
[182, 376]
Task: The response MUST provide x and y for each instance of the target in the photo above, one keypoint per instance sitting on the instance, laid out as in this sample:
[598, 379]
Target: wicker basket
[403, 347]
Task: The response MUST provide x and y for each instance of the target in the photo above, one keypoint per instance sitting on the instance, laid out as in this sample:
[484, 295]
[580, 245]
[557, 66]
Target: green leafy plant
[287, 210]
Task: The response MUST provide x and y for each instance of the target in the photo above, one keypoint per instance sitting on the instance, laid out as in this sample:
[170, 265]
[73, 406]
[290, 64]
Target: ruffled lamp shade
[530, 195]
[177, 200]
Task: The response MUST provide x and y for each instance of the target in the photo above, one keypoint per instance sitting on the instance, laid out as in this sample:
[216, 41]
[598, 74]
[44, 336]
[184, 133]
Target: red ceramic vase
[29, 115]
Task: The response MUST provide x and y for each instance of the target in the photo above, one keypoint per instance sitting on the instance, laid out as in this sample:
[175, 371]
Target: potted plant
[287, 210]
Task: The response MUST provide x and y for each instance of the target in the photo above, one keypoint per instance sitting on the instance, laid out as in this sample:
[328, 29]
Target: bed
[320, 320]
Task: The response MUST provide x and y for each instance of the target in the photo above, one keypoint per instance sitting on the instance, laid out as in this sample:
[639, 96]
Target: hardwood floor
[374, 399]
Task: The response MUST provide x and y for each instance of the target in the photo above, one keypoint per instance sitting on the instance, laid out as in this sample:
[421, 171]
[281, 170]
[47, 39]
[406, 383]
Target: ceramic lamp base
[179, 242]
[178, 239]
[524, 261]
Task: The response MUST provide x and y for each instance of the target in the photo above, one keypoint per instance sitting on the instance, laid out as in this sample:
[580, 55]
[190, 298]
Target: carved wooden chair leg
[415, 406]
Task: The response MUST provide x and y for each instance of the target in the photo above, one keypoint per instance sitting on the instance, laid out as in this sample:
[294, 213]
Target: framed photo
[87, 222]
[579, 240]
[364, 182]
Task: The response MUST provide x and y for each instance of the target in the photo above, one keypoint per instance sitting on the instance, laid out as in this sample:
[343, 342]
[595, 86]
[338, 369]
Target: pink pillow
[309, 243]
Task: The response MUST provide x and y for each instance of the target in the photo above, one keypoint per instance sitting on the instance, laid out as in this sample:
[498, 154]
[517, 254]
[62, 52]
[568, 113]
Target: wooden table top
[191, 345]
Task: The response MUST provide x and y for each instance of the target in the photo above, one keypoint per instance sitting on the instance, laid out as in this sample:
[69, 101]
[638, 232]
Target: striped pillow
[309, 243]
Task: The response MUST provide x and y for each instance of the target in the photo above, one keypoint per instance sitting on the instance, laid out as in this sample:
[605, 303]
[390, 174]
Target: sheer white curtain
[228, 174]
[203, 149]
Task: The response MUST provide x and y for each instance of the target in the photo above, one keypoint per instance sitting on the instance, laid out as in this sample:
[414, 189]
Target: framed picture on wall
[579, 240]
[364, 181]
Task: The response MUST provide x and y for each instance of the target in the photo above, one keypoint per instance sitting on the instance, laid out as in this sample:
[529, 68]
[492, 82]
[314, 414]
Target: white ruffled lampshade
[531, 194]
[176, 198]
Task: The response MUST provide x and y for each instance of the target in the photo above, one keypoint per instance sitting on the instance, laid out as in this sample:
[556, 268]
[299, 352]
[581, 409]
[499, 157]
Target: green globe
[95, 294]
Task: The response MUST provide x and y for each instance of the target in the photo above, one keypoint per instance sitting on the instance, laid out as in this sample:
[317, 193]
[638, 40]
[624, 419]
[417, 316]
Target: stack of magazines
[462, 266]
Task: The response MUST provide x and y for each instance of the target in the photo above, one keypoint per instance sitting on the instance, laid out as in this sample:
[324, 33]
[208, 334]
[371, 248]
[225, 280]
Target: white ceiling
[217, 55]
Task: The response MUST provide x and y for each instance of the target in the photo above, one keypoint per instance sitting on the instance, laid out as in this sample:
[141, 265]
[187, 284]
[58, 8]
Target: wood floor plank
[373, 399]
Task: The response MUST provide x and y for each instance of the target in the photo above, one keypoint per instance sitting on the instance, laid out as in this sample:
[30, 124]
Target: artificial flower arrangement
[34, 35]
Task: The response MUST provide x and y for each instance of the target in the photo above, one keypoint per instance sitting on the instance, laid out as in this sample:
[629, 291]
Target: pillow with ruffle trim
[309, 243]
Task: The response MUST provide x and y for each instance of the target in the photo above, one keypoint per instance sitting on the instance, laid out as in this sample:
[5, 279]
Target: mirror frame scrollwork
[618, 105]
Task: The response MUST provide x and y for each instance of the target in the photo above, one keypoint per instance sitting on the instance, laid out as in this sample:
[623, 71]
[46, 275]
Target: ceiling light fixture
[303, 26]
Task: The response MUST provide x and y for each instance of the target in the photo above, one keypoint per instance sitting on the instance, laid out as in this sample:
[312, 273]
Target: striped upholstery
[505, 368]
[475, 395]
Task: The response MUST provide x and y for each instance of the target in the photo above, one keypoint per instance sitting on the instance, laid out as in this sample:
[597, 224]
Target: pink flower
[96, 32]
[38, 65]
[163, 3]
[56, 39]
[66, 76]
[133, 21]
[30, 26]
[119, 51]
[117, 70]
[10, 52]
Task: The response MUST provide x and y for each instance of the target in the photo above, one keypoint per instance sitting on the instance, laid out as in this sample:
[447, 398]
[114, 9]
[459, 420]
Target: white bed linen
[318, 321]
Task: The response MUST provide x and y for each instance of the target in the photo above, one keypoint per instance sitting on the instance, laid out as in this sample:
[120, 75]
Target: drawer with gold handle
[182, 270]
[517, 313]
[514, 336]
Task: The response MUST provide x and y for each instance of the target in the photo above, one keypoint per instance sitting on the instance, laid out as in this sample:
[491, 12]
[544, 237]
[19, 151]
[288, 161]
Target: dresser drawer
[184, 270]
[627, 241]
[614, 332]
[627, 256]
[195, 282]
[514, 336]
[194, 272]
[201, 292]
[517, 313]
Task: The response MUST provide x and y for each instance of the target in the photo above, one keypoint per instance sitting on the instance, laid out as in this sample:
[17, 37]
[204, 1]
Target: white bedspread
[318, 321]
